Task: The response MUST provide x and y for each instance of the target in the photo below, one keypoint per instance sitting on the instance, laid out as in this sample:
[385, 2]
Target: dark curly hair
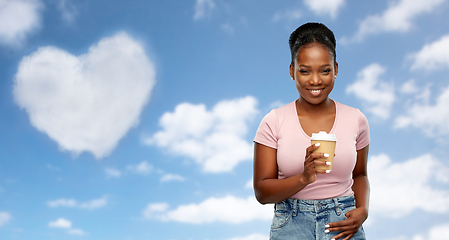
[310, 33]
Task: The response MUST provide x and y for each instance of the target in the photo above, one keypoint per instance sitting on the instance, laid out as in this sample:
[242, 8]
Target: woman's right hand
[312, 160]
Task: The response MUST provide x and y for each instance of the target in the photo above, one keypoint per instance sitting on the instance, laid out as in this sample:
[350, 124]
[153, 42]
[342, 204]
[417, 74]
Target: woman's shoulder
[351, 114]
[345, 109]
[279, 114]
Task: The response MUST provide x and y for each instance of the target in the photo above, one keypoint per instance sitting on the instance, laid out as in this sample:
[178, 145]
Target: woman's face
[314, 72]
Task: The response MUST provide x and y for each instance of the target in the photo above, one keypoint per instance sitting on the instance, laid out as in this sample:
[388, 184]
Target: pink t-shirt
[280, 129]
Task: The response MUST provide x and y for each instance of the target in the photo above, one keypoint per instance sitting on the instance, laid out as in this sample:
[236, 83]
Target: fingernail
[326, 155]
[317, 144]
[327, 226]
[326, 231]
[328, 163]
[328, 171]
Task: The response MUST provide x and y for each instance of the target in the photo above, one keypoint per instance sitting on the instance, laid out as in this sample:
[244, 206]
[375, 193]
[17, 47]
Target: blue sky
[134, 119]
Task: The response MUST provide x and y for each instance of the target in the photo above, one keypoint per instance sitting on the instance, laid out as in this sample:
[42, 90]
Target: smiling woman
[311, 202]
[314, 74]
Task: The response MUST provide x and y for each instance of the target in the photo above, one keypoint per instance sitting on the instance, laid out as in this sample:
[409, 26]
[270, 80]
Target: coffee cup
[327, 145]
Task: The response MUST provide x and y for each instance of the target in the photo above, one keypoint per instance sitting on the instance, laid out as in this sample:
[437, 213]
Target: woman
[312, 203]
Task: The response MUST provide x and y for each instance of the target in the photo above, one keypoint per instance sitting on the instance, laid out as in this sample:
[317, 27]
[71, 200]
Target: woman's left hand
[349, 226]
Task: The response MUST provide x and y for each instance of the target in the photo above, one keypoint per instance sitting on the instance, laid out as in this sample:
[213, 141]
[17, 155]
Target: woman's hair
[312, 33]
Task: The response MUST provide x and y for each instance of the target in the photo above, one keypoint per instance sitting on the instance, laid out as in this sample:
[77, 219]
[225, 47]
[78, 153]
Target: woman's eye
[327, 71]
[303, 72]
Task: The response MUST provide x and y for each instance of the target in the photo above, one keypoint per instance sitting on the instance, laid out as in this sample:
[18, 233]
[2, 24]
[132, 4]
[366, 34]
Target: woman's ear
[336, 69]
[292, 71]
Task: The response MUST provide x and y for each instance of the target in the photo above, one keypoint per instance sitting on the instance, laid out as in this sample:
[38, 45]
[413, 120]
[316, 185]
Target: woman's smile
[315, 92]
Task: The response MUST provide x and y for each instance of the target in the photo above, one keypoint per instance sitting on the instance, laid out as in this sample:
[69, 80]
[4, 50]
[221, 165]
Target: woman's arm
[361, 189]
[268, 188]
[361, 184]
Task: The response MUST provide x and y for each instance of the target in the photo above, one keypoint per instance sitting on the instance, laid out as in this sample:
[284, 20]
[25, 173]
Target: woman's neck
[305, 108]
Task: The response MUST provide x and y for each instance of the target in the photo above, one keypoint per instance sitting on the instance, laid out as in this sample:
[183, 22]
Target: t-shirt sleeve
[267, 132]
[363, 137]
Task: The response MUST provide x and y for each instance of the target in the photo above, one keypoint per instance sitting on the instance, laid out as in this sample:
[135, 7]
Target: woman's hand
[349, 226]
[310, 163]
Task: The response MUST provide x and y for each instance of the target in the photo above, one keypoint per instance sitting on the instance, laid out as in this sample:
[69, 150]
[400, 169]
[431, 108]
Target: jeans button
[318, 205]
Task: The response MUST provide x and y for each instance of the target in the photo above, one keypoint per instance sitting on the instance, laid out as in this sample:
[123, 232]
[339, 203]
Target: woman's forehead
[316, 49]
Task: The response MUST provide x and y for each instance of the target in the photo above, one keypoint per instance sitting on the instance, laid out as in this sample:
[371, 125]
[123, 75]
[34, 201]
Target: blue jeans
[305, 219]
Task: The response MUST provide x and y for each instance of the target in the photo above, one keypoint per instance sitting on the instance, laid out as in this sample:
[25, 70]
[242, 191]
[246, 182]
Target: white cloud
[60, 223]
[412, 185]
[409, 87]
[172, 177]
[64, 223]
[431, 119]
[397, 18]
[288, 15]
[212, 210]
[420, 93]
[153, 208]
[439, 232]
[112, 173]
[4, 218]
[141, 168]
[19, 18]
[432, 56]
[254, 236]
[213, 138]
[325, 7]
[68, 10]
[78, 232]
[62, 202]
[375, 93]
[203, 8]
[92, 204]
[86, 102]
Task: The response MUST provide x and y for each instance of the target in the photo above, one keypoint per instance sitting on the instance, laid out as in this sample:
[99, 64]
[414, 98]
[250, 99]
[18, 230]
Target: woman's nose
[315, 79]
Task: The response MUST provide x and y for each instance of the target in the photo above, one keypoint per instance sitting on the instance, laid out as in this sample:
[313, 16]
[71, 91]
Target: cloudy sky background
[134, 120]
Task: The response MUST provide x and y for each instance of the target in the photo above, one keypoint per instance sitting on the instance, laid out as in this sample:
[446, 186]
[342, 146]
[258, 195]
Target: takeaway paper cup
[327, 145]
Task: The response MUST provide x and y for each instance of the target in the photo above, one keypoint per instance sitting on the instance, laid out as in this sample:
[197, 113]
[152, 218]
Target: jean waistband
[315, 205]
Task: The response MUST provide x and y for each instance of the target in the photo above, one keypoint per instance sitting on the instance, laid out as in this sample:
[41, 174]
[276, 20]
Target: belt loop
[337, 207]
[295, 205]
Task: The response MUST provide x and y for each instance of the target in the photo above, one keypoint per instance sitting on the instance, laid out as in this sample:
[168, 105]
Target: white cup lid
[323, 136]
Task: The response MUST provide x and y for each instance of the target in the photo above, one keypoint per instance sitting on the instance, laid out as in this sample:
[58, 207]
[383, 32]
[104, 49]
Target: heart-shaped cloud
[86, 102]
